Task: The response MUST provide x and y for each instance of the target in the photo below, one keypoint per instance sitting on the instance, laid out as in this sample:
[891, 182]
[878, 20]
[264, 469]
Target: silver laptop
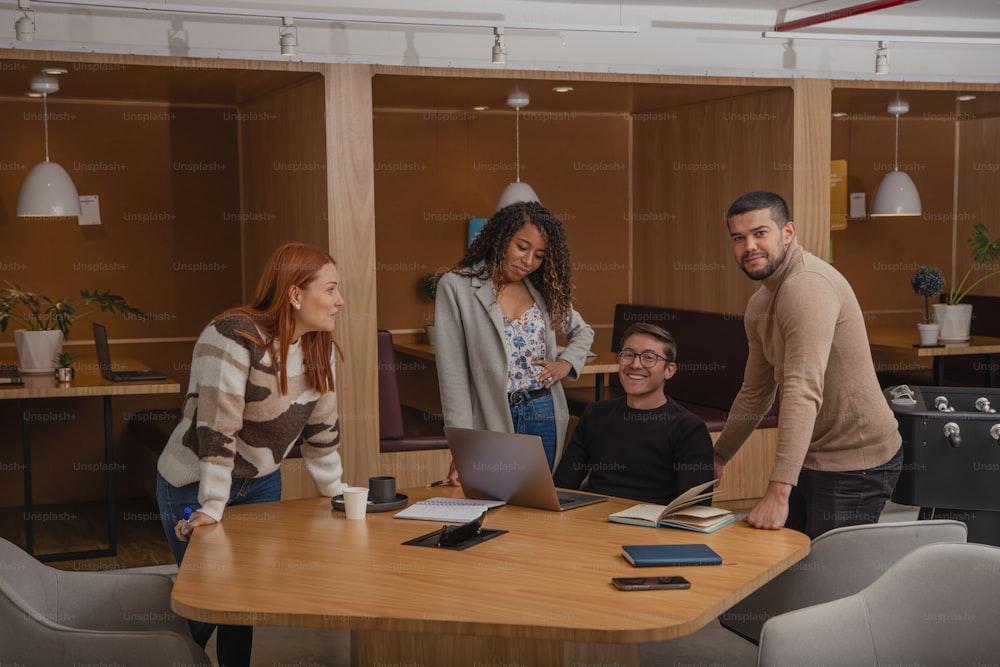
[509, 467]
[104, 361]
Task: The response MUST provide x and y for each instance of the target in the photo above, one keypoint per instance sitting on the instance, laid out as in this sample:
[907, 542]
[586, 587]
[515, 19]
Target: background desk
[88, 382]
[538, 595]
[904, 340]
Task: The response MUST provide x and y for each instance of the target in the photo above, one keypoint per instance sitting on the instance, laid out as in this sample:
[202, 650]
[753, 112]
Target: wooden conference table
[540, 594]
[604, 362]
[906, 340]
[87, 383]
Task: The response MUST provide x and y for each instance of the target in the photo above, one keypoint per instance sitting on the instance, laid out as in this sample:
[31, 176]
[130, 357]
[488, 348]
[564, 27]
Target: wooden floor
[83, 526]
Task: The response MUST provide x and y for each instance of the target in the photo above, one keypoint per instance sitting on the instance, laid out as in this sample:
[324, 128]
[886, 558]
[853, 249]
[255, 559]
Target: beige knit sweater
[807, 336]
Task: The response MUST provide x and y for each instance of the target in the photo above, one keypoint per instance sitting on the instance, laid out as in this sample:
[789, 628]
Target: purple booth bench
[711, 357]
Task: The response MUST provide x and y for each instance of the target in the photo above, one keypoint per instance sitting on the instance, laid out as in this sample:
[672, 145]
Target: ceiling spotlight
[965, 98]
[288, 37]
[882, 58]
[24, 27]
[499, 50]
[562, 89]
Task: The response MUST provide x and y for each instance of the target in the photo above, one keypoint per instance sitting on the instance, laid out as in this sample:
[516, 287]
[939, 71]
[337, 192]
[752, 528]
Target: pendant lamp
[47, 190]
[517, 191]
[896, 194]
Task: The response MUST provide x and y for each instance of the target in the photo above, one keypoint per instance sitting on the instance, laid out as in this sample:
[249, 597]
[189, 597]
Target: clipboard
[457, 538]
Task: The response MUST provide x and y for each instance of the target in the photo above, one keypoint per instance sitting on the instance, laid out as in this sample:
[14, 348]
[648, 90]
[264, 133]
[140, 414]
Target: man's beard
[764, 272]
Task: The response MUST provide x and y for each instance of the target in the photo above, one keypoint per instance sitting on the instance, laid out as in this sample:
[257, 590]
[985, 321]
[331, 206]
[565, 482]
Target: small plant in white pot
[928, 281]
[64, 367]
[954, 316]
[47, 322]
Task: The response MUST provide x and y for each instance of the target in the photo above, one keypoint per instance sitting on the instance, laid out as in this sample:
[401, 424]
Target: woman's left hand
[552, 371]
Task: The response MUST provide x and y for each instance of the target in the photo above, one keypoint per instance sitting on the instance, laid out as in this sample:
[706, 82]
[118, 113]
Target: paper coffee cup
[356, 502]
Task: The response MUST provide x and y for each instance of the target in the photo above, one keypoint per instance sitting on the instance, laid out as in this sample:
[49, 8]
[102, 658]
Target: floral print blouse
[526, 342]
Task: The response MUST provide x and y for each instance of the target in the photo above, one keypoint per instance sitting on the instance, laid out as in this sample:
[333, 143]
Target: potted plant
[428, 286]
[927, 281]
[954, 316]
[47, 321]
[64, 366]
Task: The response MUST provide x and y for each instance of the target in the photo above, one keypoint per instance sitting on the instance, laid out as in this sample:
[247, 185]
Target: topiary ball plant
[927, 281]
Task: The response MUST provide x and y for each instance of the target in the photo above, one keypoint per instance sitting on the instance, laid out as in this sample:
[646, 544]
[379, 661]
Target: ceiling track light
[882, 58]
[288, 37]
[499, 49]
[24, 27]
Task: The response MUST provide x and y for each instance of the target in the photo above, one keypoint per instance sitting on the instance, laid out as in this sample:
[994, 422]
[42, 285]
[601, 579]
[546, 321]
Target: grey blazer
[471, 352]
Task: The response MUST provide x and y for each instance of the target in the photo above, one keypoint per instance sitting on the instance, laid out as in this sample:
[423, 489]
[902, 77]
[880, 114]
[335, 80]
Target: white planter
[37, 351]
[955, 322]
[929, 333]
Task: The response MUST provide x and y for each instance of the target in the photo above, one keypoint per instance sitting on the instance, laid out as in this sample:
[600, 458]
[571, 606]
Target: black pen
[440, 482]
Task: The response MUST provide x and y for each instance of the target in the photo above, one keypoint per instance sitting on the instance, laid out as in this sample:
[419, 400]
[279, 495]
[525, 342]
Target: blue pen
[185, 526]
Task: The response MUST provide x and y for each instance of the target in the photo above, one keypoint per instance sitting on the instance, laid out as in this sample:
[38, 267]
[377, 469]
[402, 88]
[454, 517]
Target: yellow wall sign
[838, 195]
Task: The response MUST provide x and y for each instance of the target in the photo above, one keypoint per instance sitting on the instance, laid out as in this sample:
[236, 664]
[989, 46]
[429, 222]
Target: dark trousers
[822, 501]
[233, 643]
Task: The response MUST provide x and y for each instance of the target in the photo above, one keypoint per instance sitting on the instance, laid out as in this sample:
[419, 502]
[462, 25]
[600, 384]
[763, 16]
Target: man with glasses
[643, 446]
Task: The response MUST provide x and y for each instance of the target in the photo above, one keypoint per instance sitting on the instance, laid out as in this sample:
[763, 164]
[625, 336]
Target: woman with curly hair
[496, 316]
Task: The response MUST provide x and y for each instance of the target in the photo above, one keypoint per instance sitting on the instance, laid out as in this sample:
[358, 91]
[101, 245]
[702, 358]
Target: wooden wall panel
[690, 164]
[283, 174]
[809, 198]
[166, 177]
[878, 255]
[351, 236]
[979, 182]
[435, 169]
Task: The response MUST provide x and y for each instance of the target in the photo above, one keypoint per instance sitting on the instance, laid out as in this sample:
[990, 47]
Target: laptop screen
[103, 353]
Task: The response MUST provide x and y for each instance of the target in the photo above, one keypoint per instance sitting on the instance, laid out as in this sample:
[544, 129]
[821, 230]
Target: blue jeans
[822, 501]
[538, 417]
[233, 643]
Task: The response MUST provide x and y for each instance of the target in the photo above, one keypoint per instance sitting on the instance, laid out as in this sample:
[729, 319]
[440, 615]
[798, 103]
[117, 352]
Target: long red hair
[293, 264]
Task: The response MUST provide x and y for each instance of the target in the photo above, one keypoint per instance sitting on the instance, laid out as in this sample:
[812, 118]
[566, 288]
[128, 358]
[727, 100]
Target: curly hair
[484, 258]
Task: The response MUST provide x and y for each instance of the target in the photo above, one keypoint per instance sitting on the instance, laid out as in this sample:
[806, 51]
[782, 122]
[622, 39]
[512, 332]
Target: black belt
[520, 396]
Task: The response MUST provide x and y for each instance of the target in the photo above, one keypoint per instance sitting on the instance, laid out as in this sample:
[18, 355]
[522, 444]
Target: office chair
[54, 617]
[935, 606]
[841, 562]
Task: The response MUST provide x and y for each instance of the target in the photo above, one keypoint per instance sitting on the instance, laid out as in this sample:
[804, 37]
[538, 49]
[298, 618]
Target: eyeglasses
[647, 359]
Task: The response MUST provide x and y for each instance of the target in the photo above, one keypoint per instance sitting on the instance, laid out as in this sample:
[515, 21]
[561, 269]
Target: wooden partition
[690, 165]
[202, 168]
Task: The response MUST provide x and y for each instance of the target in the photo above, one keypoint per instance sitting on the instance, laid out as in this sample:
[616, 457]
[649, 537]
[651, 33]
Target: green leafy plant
[983, 250]
[64, 359]
[42, 313]
[927, 281]
[429, 284]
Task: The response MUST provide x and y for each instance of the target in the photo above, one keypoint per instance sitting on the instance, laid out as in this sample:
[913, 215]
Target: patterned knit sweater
[237, 424]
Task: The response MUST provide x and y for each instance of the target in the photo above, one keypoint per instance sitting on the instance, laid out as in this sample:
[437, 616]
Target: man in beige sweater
[838, 455]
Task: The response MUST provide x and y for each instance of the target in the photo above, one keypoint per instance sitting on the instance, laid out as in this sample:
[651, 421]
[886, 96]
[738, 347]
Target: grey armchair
[935, 606]
[52, 617]
[840, 563]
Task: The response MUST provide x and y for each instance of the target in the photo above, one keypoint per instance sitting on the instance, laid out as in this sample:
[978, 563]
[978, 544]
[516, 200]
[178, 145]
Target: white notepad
[448, 510]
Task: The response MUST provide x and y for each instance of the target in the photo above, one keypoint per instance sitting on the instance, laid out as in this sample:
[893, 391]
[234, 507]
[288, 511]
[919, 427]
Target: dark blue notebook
[650, 555]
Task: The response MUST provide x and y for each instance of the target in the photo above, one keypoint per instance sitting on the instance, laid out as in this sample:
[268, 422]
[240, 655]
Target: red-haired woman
[262, 380]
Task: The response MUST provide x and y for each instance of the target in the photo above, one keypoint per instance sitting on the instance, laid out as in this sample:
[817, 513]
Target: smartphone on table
[649, 583]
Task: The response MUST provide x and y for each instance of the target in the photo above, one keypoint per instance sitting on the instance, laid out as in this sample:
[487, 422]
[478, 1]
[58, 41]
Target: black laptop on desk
[104, 361]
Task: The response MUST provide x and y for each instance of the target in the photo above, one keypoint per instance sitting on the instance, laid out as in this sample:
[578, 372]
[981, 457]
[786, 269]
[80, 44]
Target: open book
[682, 512]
